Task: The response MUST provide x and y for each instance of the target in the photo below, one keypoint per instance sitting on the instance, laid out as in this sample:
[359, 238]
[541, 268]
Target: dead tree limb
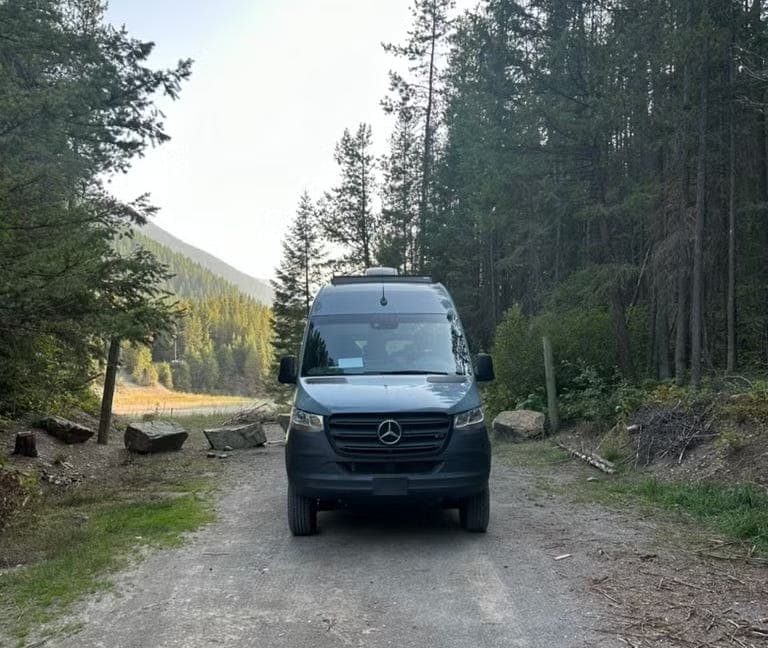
[593, 460]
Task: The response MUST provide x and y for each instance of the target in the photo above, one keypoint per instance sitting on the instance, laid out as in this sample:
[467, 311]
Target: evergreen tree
[429, 31]
[76, 105]
[296, 279]
[347, 218]
[400, 195]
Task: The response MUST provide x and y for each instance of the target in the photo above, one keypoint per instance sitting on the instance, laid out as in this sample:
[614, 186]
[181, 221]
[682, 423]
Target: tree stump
[26, 444]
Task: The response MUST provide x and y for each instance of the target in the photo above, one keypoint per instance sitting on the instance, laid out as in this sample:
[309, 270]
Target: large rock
[518, 425]
[64, 430]
[236, 437]
[154, 436]
[284, 420]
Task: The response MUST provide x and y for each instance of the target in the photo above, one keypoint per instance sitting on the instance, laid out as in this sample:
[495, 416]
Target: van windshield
[385, 344]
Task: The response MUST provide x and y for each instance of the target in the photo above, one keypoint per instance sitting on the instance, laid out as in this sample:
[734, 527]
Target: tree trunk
[105, 421]
[697, 284]
[661, 336]
[621, 334]
[427, 152]
[26, 444]
[731, 307]
[618, 309]
[681, 324]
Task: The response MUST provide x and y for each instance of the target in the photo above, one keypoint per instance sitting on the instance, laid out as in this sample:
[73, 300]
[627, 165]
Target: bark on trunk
[105, 420]
[731, 307]
[427, 152]
[681, 325]
[662, 339]
[697, 284]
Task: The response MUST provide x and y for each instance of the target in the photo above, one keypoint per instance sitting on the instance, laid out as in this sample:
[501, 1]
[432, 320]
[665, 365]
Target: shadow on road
[390, 520]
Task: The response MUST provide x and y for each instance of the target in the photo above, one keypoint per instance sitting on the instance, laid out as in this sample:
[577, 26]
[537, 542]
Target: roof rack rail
[341, 280]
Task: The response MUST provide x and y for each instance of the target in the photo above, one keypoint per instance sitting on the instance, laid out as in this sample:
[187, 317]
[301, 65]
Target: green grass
[71, 543]
[77, 557]
[531, 454]
[738, 512]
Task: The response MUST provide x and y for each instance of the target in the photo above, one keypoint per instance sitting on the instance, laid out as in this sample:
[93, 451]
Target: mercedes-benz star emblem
[390, 432]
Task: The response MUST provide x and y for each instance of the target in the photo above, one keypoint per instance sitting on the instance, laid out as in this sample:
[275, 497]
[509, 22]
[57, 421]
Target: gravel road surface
[382, 578]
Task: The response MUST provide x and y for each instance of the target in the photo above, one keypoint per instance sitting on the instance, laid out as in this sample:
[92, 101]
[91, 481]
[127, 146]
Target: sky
[274, 84]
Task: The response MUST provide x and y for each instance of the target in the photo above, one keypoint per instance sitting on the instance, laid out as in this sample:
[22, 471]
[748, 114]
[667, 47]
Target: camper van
[386, 405]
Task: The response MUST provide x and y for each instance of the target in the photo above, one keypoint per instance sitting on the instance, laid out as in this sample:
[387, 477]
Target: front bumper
[461, 470]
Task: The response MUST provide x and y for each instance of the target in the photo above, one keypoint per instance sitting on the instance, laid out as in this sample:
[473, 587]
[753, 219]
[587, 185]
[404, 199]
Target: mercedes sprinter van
[386, 403]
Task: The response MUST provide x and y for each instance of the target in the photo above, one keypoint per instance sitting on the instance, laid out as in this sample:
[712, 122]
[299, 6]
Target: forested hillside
[151, 236]
[186, 278]
[222, 342]
[595, 171]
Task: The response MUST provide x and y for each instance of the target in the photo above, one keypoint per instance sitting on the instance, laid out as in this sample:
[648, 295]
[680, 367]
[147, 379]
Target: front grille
[357, 434]
[390, 467]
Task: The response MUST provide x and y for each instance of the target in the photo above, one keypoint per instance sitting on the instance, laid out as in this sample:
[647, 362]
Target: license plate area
[391, 486]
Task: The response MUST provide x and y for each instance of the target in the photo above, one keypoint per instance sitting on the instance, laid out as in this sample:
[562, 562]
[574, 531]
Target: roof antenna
[383, 301]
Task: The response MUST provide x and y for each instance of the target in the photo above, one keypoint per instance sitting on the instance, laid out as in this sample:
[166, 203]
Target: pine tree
[430, 29]
[347, 217]
[400, 194]
[76, 105]
[296, 279]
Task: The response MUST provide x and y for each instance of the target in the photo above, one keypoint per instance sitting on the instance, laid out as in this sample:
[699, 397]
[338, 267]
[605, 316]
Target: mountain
[188, 277]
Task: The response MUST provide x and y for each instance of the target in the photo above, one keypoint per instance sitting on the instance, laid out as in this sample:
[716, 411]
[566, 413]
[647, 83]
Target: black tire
[302, 514]
[475, 512]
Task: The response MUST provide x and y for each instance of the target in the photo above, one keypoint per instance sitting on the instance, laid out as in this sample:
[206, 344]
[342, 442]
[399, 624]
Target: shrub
[164, 374]
[517, 360]
[583, 346]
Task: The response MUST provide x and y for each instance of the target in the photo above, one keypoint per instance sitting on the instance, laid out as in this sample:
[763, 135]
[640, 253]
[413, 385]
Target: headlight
[465, 419]
[302, 421]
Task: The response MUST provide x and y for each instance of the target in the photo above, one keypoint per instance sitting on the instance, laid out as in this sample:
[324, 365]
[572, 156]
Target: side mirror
[484, 368]
[287, 374]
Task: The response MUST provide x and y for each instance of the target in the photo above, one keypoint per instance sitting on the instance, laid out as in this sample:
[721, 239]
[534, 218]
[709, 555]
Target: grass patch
[74, 555]
[68, 546]
[531, 454]
[738, 512]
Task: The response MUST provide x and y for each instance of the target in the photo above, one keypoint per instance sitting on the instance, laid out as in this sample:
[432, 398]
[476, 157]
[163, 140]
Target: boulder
[284, 420]
[154, 436]
[236, 437]
[64, 430]
[518, 425]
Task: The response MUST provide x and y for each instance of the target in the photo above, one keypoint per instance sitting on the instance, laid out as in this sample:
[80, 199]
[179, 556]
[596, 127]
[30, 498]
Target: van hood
[384, 394]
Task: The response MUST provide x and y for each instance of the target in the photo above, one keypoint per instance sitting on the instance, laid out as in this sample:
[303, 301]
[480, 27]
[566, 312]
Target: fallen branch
[593, 460]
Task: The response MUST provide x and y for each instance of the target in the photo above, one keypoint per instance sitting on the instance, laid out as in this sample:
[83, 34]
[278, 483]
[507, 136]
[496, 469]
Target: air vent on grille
[357, 434]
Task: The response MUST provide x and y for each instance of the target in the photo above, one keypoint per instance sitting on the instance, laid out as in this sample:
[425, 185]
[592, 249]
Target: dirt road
[396, 579]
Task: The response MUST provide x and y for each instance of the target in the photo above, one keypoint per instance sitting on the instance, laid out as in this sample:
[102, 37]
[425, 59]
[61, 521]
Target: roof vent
[381, 271]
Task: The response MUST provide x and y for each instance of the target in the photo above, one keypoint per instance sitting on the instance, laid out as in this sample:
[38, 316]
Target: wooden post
[105, 421]
[26, 444]
[549, 370]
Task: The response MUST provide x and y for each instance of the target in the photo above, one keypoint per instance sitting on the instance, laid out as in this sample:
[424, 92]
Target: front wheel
[475, 512]
[302, 514]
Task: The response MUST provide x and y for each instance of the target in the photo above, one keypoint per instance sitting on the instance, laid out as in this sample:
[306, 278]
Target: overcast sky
[274, 84]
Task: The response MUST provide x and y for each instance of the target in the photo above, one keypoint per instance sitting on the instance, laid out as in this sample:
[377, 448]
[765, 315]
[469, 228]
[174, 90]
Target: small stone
[211, 455]
[228, 448]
